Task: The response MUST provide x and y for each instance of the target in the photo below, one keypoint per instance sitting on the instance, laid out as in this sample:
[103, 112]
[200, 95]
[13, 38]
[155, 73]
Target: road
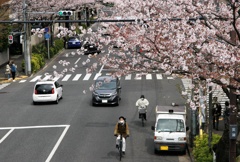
[74, 130]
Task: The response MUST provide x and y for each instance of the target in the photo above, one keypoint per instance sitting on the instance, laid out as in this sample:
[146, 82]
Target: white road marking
[128, 77]
[33, 127]
[76, 78]
[87, 76]
[47, 77]
[57, 144]
[100, 71]
[6, 135]
[138, 77]
[97, 75]
[22, 81]
[66, 77]
[77, 60]
[4, 85]
[149, 76]
[169, 77]
[36, 78]
[159, 76]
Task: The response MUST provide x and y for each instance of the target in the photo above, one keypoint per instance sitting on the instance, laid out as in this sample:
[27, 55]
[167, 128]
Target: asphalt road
[74, 130]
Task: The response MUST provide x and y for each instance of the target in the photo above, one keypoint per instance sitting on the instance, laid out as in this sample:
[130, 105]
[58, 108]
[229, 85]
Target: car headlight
[114, 94]
[95, 93]
[181, 138]
[158, 138]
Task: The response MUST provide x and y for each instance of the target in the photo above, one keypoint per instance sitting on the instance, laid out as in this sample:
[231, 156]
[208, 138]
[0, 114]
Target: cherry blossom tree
[198, 39]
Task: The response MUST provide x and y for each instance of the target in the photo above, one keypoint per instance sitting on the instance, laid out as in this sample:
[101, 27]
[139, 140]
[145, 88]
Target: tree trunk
[222, 147]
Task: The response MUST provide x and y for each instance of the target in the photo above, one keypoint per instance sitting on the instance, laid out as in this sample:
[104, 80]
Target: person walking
[13, 70]
[226, 114]
[216, 112]
[8, 71]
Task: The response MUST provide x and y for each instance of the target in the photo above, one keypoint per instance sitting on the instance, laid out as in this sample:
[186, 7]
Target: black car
[90, 48]
[107, 91]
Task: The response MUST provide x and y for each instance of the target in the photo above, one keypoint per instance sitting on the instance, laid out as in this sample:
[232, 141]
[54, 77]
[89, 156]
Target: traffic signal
[65, 13]
[10, 39]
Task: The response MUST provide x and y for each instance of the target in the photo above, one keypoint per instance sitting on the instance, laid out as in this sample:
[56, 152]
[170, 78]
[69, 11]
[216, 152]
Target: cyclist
[142, 103]
[121, 128]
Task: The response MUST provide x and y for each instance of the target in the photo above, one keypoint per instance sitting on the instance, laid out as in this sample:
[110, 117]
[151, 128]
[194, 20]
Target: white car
[47, 91]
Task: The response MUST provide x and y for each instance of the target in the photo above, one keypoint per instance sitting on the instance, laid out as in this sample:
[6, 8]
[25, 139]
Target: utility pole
[26, 52]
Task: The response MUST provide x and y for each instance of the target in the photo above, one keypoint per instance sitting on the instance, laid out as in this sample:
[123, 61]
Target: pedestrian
[216, 112]
[13, 70]
[8, 71]
[226, 114]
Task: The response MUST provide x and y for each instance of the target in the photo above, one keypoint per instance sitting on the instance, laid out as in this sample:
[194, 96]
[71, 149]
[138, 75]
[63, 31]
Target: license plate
[104, 101]
[163, 147]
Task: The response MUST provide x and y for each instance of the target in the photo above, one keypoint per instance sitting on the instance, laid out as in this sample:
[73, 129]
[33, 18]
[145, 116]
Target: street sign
[47, 36]
[10, 39]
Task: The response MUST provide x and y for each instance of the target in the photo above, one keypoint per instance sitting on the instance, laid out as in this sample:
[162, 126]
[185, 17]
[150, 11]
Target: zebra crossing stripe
[128, 77]
[159, 76]
[138, 77]
[149, 76]
[36, 78]
[87, 76]
[97, 75]
[4, 85]
[66, 77]
[47, 77]
[22, 81]
[76, 78]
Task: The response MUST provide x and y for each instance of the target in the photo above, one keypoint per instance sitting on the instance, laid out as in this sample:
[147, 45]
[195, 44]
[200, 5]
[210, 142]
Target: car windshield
[170, 125]
[105, 85]
[73, 39]
[44, 88]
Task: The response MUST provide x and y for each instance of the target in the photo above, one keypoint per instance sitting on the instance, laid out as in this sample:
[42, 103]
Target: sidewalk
[20, 74]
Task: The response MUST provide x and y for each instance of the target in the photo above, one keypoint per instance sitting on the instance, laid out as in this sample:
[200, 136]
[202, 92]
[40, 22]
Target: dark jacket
[121, 129]
[217, 109]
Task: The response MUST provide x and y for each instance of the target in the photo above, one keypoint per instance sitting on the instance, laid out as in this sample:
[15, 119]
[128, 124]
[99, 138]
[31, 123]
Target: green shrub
[201, 151]
[35, 64]
[40, 48]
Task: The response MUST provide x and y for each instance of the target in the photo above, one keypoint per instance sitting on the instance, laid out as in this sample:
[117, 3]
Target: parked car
[47, 91]
[107, 91]
[73, 42]
[90, 48]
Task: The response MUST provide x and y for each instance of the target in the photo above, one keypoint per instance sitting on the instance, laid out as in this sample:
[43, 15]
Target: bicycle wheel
[120, 149]
[142, 121]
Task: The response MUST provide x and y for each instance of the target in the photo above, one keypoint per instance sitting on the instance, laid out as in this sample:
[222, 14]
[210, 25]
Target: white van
[170, 129]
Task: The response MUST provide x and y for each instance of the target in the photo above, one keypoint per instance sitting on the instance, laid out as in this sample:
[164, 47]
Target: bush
[201, 151]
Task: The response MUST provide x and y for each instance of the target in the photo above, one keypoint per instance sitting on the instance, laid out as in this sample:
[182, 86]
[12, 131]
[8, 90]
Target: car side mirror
[119, 87]
[152, 127]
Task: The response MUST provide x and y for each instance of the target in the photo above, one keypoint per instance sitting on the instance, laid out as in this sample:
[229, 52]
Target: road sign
[46, 36]
[10, 39]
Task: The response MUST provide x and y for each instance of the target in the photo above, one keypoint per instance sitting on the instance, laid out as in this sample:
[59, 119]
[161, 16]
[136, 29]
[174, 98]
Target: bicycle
[120, 147]
[142, 113]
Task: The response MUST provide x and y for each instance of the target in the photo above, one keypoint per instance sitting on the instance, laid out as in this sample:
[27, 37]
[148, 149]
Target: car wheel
[117, 103]
[57, 100]
[156, 151]
[34, 103]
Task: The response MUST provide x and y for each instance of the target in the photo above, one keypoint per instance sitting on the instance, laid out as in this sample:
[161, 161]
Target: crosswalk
[94, 76]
